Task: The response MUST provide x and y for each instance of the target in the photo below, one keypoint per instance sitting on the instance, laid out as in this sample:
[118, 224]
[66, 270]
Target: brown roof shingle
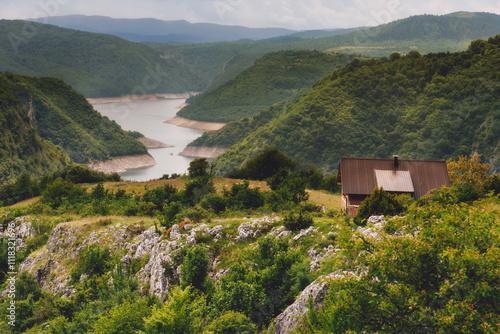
[358, 176]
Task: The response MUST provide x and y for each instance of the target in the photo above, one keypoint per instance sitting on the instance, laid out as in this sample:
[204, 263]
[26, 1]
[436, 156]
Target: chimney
[396, 162]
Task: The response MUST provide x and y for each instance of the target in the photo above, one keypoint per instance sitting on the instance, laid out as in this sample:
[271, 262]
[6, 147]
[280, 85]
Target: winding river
[147, 117]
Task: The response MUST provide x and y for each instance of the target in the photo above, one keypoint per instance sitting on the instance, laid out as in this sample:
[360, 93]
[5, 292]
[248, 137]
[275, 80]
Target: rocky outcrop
[317, 290]
[202, 152]
[121, 164]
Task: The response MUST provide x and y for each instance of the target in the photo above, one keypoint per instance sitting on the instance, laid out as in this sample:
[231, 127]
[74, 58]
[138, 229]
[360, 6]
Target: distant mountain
[273, 78]
[96, 65]
[219, 62]
[153, 30]
[35, 108]
[436, 106]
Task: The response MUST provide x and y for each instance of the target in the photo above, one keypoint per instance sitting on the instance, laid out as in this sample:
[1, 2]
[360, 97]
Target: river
[147, 117]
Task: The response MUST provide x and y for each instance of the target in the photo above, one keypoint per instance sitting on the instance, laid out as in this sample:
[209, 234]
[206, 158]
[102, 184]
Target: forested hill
[436, 106]
[95, 65]
[51, 109]
[273, 78]
[426, 33]
[21, 148]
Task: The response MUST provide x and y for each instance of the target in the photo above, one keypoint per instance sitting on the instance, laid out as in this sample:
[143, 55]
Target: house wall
[352, 203]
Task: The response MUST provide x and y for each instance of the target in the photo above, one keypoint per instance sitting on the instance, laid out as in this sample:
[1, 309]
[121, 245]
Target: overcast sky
[291, 14]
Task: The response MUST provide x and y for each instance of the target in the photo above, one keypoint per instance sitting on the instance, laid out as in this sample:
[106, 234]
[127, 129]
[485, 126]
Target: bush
[214, 202]
[181, 313]
[297, 221]
[379, 202]
[92, 261]
[59, 191]
[232, 323]
[195, 266]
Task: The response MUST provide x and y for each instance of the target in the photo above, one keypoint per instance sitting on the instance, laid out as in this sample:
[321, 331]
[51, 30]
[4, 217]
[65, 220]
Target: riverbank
[202, 152]
[187, 123]
[153, 143]
[122, 164]
[148, 97]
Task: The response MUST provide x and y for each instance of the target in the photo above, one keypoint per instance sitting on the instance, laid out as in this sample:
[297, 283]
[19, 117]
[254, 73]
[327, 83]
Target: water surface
[147, 117]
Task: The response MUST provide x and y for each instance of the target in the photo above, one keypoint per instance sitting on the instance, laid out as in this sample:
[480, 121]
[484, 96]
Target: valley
[173, 177]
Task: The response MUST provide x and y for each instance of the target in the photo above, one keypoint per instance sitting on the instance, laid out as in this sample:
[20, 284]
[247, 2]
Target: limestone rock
[245, 232]
[291, 317]
[175, 233]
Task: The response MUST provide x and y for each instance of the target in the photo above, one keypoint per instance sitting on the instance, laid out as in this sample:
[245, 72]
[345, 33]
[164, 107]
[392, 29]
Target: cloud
[292, 14]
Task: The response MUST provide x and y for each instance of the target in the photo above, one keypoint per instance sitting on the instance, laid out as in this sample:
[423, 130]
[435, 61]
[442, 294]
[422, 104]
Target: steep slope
[63, 116]
[96, 65]
[272, 78]
[21, 148]
[436, 106]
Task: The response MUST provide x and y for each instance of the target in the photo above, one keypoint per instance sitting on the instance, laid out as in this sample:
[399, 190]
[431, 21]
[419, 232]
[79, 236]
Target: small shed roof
[358, 176]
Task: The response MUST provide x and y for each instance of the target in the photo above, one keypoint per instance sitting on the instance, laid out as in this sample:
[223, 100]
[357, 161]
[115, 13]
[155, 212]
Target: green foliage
[379, 202]
[297, 221]
[241, 196]
[265, 164]
[272, 78]
[95, 64]
[59, 192]
[198, 167]
[231, 323]
[49, 108]
[195, 266]
[441, 277]
[214, 202]
[179, 315]
[92, 261]
[195, 190]
[127, 318]
[432, 107]
[264, 286]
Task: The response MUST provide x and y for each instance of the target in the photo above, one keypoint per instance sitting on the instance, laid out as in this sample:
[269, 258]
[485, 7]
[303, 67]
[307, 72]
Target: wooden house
[359, 176]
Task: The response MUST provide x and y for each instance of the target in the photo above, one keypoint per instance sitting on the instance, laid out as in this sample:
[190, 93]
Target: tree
[198, 167]
[469, 171]
[265, 164]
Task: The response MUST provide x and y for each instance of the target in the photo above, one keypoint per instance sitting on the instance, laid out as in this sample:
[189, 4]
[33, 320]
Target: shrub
[195, 266]
[214, 202]
[92, 261]
[379, 202]
[59, 191]
[297, 221]
[232, 323]
[182, 313]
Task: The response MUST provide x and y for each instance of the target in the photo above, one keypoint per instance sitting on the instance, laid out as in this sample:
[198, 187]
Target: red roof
[358, 176]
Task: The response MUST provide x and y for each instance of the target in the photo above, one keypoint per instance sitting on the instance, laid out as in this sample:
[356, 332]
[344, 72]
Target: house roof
[359, 176]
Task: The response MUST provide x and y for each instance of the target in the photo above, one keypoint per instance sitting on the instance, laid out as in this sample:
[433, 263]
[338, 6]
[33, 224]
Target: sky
[291, 14]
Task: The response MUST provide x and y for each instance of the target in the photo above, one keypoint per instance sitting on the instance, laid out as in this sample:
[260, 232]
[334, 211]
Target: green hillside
[63, 116]
[95, 65]
[427, 33]
[436, 106]
[21, 148]
[272, 78]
